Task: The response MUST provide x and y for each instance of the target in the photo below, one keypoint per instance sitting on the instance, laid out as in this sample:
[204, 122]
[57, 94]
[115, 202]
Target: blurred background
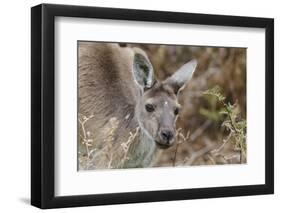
[212, 122]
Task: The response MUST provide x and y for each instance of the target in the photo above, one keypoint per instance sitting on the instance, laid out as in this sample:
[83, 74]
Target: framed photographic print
[140, 106]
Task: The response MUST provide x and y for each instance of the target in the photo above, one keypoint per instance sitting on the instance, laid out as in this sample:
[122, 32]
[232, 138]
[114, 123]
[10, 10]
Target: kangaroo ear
[143, 71]
[182, 76]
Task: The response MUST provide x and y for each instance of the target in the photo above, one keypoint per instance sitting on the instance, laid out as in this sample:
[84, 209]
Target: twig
[190, 138]
[85, 139]
[175, 155]
[110, 161]
[211, 159]
[217, 150]
[199, 131]
[199, 153]
[180, 139]
[125, 146]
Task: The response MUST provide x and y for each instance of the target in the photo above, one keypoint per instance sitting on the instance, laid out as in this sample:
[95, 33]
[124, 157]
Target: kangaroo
[117, 86]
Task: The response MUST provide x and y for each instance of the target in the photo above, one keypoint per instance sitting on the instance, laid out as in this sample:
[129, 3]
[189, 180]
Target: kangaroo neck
[142, 152]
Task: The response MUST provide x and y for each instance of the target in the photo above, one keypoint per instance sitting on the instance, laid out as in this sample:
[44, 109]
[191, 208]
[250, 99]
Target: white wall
[15, 105]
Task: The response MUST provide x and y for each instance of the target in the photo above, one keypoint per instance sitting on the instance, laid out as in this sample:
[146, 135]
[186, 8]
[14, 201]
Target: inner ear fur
[142, 70]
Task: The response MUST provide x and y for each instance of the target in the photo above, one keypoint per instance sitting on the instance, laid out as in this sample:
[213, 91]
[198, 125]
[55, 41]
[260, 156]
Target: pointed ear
[143, 71]
[182, 76]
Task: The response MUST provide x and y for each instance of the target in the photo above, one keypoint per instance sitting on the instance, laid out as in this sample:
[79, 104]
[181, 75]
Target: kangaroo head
[157, 108]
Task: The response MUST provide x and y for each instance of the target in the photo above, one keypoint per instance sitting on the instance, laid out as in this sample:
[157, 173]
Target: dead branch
[225, 141]
[200, 130]
[195, 155]
[180, 139]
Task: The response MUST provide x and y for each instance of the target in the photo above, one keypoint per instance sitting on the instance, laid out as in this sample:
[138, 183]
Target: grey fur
[110, 78]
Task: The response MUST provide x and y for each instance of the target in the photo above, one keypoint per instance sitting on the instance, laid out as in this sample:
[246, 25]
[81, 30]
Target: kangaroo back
[107, 95]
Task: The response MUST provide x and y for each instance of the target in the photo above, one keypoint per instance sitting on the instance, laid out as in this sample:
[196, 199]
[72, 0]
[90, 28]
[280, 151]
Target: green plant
[235, 125]
[213, 109]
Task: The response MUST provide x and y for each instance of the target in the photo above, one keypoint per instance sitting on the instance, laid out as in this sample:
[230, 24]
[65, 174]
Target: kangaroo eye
[149, 108]
[176, 111]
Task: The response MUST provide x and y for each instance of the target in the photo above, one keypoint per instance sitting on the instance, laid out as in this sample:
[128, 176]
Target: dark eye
[176, 111]
[149, 108]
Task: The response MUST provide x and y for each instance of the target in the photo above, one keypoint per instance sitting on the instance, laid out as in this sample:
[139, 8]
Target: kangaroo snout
[166, 138]
[167, 135]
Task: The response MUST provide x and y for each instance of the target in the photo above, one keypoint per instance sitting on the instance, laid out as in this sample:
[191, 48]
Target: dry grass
[111, 156]
[107, 156]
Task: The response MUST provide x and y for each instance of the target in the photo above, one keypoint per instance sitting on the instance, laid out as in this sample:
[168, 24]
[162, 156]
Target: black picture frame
[43, 105]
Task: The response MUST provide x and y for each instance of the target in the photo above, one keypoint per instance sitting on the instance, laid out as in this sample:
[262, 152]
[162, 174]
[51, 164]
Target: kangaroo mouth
[162, 146]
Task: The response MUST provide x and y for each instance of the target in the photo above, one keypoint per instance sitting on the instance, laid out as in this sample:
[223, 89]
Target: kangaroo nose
[167, 135]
